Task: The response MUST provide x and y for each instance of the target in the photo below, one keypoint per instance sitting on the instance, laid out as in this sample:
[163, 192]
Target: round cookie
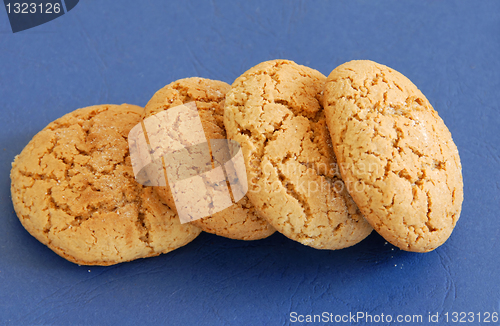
[74, 190]
[239, 221]
[397, 156]
[274, 111]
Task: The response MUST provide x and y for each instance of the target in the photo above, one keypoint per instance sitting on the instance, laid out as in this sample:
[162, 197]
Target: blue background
[123, 51]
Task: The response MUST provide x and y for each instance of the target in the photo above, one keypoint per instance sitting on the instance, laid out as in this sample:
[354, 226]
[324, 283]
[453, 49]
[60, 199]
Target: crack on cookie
[142, 227]
[294, 193]
[428, 214]
[52, 204]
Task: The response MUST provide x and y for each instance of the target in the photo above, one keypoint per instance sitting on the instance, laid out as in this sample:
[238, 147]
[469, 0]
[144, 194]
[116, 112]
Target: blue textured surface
[123, 51]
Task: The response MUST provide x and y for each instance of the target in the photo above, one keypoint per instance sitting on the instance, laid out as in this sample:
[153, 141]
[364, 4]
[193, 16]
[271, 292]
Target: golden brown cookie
[74, 190]
[397, 156]
[239, 221]
[274, 111]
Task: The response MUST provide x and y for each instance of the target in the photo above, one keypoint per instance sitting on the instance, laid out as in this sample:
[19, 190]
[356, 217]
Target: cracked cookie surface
[74, 190]
[239, 221]
[274, 111]
[397, 157]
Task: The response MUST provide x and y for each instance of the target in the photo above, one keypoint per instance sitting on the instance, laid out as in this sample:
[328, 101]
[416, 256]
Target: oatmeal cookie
[398, 158]
[73, 189]
[274, 111]
[239, 221]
